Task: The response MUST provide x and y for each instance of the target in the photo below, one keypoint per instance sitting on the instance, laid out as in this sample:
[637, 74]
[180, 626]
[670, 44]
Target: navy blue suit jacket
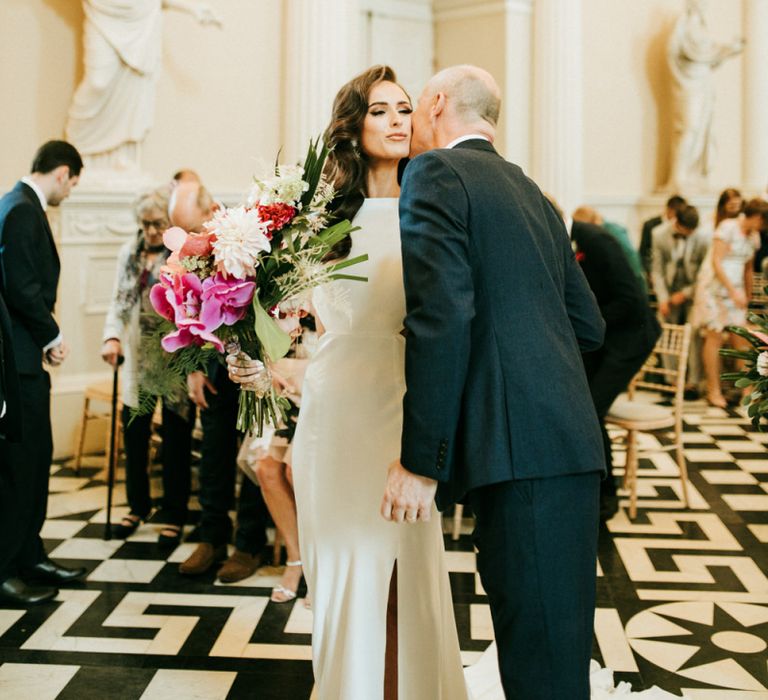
[30, 268]
[498, 313]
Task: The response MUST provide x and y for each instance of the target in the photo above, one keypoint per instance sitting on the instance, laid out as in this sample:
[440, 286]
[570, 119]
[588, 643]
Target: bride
[349, 432]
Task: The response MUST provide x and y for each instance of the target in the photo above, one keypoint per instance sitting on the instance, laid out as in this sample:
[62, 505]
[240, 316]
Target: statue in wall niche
[113, 107]
[693, 56]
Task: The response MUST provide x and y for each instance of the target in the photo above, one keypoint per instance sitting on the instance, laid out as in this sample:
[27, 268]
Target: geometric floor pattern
[682, 595]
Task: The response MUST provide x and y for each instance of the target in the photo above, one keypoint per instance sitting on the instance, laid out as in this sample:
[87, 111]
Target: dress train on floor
[484, 683]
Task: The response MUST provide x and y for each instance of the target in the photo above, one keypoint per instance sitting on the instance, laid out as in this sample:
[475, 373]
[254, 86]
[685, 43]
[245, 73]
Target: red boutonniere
[580, 256]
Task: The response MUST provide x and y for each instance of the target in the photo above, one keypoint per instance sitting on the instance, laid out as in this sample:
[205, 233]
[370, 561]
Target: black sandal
[127, 526]
[170, 536]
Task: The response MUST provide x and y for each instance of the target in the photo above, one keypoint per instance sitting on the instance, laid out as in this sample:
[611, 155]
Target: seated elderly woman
[130, 319]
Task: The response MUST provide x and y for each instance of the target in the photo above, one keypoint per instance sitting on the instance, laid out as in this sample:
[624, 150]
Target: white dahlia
[240, 237]
[762, 364]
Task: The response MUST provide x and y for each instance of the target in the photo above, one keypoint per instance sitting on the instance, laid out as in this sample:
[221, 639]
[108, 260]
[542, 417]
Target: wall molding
[420, 10]
[467, 10]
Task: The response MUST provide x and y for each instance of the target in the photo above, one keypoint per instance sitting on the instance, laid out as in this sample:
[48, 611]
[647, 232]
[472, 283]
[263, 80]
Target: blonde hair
[155, 199]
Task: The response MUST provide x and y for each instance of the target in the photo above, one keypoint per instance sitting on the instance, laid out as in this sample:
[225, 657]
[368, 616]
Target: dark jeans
[218, 471]
[177, 445]
[537, 554]
[24, 471]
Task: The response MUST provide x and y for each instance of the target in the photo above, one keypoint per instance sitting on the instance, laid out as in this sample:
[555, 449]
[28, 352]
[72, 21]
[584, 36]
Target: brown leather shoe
[202, 559]
[239, 566]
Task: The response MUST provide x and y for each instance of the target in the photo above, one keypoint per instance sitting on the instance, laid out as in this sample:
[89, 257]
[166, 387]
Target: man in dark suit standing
[631, 329]
[497, 409]
[30, 266]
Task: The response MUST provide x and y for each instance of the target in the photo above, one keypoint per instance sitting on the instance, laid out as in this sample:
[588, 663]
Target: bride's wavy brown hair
[347, 166]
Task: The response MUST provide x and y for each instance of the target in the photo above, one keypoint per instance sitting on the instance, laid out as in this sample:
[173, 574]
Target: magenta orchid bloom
[178, 299]
[225, 300]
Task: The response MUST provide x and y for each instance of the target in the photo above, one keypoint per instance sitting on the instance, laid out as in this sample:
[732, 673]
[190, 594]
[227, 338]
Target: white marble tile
[759, 437]
[61, 529]
[118, 511]
[38, 681]
[746, 502]
[697, 438]
[65, 484]
[709, 694]
[86, 548]
[481, 625]
[148, 532]
[734, 446]
[8, 618]
[126, 570]
[61, 504]
[760, 532]
[754, 466]
[462, 562]
[612, 641]
[708, 456]
[182, 552]
[189, 685]
[722, 429]
[727, 476]
[300, 620]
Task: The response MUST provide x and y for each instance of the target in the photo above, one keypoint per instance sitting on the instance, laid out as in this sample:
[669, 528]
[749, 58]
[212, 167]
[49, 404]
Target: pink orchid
[174, 239]
[178, 299]
[225, 300]
[760, 336]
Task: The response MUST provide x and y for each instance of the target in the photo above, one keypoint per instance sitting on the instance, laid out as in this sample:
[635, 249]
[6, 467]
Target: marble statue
[693, 56]
[113, 107]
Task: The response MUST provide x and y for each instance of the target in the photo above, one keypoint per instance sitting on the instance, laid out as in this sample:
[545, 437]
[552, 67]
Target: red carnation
[278, 215]
[580, 256]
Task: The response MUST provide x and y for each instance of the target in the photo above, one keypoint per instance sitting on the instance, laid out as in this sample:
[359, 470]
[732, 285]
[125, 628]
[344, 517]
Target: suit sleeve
[434, 213]
[23, 291]
[583, 312]
[657, 270]
[626, 301]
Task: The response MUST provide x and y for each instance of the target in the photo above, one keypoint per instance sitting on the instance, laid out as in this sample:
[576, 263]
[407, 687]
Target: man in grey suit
[497, 410]
[678, 251]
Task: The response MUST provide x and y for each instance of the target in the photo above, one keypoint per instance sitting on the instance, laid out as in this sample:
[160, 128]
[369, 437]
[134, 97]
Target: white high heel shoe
[281, 594]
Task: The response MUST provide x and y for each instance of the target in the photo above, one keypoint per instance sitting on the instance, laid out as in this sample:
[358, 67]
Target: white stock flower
[285, 188]
[240, 237]
[762, 364]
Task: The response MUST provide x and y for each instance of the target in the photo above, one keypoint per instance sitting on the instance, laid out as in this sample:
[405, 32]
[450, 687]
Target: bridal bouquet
[241, 285]
[755, 372]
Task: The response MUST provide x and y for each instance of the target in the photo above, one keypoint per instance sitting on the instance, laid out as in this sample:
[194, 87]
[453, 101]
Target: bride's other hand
[407, 496]
[243, 370]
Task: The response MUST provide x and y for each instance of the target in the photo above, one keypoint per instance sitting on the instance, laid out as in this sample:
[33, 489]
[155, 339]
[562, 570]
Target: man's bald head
[190, 206]
[458, 101]
[472, 93]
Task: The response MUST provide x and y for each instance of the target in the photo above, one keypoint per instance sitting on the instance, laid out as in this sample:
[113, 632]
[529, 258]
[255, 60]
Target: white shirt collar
[568, 221]
[36, 188]
[467, 137]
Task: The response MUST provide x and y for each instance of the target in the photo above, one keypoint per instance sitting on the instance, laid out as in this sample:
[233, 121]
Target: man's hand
[678, 298]
[197, 383]
[407, 496]
[56, 355]
[111, 351]
[664, 308]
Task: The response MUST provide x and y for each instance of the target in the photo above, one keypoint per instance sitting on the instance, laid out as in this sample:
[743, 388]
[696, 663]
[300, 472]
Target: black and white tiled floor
[682, 595]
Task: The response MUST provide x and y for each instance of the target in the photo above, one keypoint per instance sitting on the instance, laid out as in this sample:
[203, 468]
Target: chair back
[759, 300]
[664, 369]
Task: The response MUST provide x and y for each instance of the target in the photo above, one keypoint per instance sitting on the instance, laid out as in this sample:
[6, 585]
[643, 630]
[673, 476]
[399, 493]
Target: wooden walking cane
[112, 450]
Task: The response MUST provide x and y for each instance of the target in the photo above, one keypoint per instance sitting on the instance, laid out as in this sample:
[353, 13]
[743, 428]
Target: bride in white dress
[349, 432]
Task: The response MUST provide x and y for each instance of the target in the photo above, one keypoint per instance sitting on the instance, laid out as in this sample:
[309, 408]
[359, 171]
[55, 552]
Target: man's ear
[61, 174]
[438, 105]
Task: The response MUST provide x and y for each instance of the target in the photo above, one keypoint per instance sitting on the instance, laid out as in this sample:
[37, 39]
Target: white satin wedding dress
[348, 433]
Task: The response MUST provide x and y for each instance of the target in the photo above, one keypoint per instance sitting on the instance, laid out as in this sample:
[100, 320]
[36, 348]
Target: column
[755, 132]
[516, 109]
[322, 40]
[557, 100]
